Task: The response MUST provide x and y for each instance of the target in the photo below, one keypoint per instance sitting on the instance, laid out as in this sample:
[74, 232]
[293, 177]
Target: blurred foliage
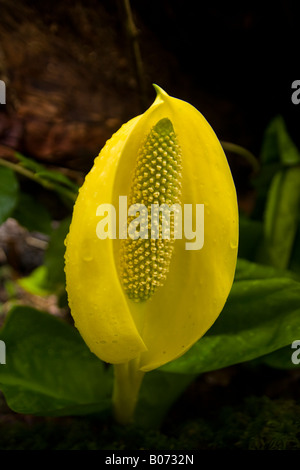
[49, 370]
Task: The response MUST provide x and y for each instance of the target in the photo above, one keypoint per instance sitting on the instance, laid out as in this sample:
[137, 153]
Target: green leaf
[9, 191]
[36, 282]
[282, 358]
[248, 270]
[44, 173]
[278, 198]
[260, 316]
[49, 370]
[52, 180]
[278, 146]
[32, 215]
[282, 217]
[278, 152]
[59, 178]
[28, 163]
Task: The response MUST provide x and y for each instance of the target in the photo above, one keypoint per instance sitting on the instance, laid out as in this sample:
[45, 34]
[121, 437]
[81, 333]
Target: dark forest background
[71, 78]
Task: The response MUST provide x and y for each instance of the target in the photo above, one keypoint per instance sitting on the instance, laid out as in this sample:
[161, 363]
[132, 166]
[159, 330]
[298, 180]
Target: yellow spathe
[197, 285]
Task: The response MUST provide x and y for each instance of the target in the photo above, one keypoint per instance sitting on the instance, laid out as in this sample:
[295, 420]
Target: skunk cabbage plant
[152, 247]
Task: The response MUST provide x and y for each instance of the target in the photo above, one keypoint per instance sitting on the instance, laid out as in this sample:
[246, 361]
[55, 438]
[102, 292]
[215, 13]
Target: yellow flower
[150, 299]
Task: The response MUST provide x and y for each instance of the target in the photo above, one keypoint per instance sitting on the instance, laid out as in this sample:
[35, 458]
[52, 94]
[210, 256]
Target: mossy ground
[258, 424]
[219, 416]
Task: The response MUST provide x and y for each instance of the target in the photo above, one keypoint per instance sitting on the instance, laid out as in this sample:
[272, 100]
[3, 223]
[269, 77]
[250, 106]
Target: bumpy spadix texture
[167, 319]
[157, 180]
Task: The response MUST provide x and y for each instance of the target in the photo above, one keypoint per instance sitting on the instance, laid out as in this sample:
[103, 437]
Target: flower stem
[127, 382]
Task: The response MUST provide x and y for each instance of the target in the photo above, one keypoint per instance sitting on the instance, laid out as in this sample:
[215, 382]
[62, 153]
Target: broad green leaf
[260, 316]
[33, 215]
[9, 191]
[282, 217]
[49, 369]
[284, 358]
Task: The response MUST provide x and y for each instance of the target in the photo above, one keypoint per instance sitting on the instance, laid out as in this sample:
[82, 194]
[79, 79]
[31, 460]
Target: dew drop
[88, 257]
[233, 245]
